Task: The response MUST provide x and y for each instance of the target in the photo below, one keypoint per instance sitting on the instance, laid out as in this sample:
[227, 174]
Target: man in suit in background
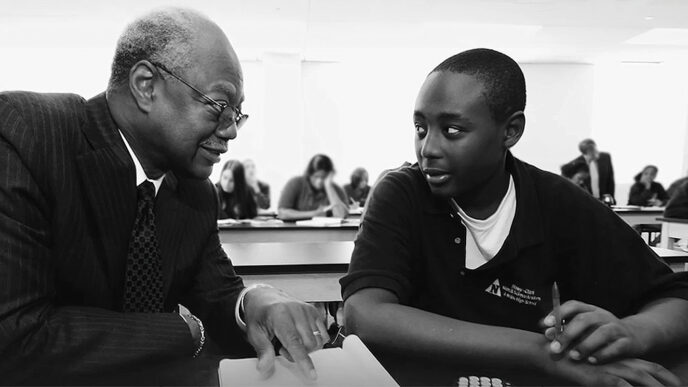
[601, 180]
[108, 219]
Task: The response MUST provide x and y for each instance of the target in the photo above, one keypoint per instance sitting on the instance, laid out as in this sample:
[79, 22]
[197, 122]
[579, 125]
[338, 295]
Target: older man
[107, 218]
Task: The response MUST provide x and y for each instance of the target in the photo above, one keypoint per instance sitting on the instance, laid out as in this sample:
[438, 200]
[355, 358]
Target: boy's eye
[420, 130]
[453, 130]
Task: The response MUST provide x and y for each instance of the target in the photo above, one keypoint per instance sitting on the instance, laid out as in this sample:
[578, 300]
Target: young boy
[457, 255]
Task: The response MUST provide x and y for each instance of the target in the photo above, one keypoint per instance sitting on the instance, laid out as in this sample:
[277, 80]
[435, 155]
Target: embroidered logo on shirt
[514, 293]
[494, 288]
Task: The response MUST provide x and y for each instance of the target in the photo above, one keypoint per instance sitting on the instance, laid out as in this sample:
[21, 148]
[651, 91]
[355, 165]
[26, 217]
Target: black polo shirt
[410, 244]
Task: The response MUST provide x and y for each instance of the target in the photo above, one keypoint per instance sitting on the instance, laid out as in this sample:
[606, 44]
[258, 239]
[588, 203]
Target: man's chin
[196, 172]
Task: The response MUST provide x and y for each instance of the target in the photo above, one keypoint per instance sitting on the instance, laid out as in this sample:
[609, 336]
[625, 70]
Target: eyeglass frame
[239, 117]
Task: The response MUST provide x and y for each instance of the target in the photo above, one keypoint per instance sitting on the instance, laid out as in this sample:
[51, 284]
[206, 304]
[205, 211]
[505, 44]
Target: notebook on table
[352, 365]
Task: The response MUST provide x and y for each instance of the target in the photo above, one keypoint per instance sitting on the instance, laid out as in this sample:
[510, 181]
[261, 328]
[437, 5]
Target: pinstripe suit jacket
[67, 207]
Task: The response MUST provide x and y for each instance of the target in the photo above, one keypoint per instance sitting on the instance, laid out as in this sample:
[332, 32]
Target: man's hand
[627, 372]
[297, 325]
[592, 334]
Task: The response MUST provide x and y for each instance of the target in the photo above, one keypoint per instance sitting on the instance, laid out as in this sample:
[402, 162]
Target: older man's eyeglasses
[227, 114]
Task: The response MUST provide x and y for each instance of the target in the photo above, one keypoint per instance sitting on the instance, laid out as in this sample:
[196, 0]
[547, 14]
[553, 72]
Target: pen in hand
[556, 310]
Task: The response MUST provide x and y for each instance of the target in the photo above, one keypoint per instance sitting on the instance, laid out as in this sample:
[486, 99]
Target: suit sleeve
[42, 341]
[213, 296]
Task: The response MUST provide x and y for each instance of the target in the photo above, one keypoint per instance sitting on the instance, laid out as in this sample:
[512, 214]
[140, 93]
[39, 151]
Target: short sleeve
[290, 194]
[384, 250]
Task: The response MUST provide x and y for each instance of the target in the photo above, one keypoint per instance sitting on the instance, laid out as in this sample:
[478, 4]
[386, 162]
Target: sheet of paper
[353, 365]
[320, 221]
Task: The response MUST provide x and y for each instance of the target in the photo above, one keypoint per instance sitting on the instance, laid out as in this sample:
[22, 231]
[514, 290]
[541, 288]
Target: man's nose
[227, 132]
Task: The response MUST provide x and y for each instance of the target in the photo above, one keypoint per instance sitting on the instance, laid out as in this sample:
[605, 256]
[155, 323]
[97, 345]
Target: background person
[646, 191]
[314, 193]
[357, 190]
[260, 189]
[601, 181]
[236, 199]
[578, 173]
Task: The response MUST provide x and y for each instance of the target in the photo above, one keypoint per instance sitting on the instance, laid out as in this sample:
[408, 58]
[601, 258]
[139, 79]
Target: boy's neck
[484, 200]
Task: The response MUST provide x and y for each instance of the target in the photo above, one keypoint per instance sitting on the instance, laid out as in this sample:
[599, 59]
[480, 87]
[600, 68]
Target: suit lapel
[171, 216]
[108, 177]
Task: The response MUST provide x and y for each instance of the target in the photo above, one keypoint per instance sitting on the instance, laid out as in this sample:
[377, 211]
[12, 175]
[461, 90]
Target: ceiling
[543, 31]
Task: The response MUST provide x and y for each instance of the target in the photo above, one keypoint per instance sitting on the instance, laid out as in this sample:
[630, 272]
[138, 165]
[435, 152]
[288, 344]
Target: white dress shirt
[140, 173]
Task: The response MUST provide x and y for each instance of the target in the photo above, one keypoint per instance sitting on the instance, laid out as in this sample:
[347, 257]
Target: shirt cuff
[239, 309]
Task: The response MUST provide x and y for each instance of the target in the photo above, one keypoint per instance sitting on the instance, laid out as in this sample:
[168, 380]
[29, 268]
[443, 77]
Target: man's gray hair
[165, 36]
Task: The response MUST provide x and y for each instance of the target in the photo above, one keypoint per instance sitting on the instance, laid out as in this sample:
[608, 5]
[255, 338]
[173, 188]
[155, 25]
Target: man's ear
[515, 125]
[141, 84]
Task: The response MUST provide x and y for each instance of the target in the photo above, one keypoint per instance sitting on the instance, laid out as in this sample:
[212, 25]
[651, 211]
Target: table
[676, 259]
[271, 231]
[634, 215]
[672, 228]
[311, 270]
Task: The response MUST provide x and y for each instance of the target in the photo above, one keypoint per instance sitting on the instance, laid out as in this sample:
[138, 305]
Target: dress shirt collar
[140, 173]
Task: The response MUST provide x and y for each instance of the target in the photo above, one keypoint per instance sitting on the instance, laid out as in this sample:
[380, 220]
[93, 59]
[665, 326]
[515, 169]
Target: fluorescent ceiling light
[662, 37]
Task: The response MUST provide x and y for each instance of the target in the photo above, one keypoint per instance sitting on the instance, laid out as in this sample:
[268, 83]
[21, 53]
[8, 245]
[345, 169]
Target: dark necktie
[143, 277]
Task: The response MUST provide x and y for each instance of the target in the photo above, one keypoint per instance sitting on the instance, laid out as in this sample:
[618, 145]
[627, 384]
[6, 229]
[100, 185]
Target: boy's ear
[141, 85]
[515, 125]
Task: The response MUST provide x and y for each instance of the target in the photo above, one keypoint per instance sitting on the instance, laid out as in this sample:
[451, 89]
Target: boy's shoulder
[554, 192]
[407, 177]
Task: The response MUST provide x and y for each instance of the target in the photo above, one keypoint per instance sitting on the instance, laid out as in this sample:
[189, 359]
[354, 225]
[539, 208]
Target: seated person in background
[577, 172]
[455, 259]
[261, 190]
[646, 191]
[314, 193]
[235, 197]
[675, 185]
[677, 207]
[357, 190]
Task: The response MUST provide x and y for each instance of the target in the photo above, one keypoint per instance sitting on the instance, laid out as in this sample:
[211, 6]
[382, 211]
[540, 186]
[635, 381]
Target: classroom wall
[558, 113]
[640, 116]
[359, 111]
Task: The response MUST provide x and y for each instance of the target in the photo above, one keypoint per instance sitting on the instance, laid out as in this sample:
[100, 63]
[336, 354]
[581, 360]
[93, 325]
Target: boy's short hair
[503, 80]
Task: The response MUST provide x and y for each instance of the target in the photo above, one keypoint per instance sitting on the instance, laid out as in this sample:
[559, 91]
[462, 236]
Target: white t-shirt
[485, 237]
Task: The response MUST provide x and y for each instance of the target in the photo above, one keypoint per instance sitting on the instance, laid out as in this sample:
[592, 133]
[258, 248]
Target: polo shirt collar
[526, 228]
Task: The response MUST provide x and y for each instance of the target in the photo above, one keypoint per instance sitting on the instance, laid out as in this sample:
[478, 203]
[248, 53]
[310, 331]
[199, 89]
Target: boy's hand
[627, 372]
[592, 334]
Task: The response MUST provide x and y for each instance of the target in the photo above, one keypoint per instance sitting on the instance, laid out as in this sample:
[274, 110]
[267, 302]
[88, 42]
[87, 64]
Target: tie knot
[146, 191]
